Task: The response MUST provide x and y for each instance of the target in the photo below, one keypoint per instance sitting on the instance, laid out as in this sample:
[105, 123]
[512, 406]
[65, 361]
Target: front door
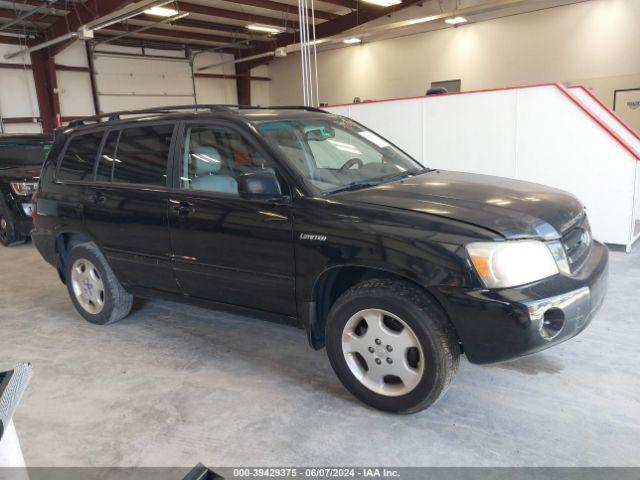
[125, 209]
[226, 248]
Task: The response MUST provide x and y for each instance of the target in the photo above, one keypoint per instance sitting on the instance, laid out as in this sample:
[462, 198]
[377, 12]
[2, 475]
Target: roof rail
[175, 108]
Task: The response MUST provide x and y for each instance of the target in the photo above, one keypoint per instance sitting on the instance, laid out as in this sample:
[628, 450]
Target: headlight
[24, 188]
[512, 263]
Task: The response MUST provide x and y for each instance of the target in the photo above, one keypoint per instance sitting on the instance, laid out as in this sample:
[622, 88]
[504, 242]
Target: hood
[25, 174]
[512, 208]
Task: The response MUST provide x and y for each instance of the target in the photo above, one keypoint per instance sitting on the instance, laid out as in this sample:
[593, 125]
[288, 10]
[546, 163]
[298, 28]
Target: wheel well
[334, 283]
[64, 243]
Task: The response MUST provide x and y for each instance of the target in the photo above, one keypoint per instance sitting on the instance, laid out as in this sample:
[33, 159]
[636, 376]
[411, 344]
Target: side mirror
[261, 186]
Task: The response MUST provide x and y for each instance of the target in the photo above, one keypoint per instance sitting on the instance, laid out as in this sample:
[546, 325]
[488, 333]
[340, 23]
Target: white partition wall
[544, 134]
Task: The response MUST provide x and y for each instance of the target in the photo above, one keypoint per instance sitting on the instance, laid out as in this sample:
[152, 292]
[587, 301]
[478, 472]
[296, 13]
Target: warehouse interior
[543, 91]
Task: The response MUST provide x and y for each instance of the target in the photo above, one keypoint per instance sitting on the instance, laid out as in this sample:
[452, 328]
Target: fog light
[552, 323]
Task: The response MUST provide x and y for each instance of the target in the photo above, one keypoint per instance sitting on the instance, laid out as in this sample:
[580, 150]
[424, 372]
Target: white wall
[538, 134]
[122, 83]
[17, 93]
[74, 88]
[216, 90]
[597, 40]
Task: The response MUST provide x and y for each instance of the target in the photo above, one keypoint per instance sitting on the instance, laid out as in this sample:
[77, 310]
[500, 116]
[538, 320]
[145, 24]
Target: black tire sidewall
[426, 392]
[10, 237]
[83, 252]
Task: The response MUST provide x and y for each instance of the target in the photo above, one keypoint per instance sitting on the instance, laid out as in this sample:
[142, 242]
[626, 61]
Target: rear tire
[392, 345]
[8, 234]
[93, 287]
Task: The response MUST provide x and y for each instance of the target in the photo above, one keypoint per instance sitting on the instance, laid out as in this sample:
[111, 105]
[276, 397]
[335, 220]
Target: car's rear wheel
[8, 234]
[93, 287]
[392, 345]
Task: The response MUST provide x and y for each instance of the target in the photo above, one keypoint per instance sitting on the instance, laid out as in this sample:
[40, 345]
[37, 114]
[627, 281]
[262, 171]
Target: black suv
[21, 158]
[303, 215]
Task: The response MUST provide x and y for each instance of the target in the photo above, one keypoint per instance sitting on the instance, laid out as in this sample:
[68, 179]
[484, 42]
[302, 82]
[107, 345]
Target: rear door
[226, 248]
[125, 209]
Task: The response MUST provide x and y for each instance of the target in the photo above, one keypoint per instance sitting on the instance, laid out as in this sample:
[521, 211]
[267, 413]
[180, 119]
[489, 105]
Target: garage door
[126, 83]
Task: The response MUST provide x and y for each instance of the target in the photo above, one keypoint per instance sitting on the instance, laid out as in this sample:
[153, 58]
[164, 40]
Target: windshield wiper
[350, 187]
[405, 174]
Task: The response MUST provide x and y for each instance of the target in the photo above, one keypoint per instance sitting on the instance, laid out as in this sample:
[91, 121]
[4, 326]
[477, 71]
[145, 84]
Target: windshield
[336, 154]
[23, 155]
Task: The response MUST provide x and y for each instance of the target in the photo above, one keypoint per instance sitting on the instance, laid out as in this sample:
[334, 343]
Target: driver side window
[215, 156]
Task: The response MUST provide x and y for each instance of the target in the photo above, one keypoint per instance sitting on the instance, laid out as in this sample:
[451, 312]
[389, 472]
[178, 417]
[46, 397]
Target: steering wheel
[350, 163]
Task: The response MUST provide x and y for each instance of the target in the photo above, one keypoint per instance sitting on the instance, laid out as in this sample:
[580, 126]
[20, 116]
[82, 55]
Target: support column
[44, 77]
[243, 83]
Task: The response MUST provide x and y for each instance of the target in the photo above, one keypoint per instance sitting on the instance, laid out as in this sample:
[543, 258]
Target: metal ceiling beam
[81, 15]
[24, 6]
[283, 7]
[327, 29]
[164, 32]
[155, 44]
[25, 14]
[234, 15]
[201, 24]
[11, 15]
[145, 28]
[352, 4]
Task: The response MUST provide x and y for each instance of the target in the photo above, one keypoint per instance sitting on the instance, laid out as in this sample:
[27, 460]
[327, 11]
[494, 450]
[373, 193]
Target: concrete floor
[173, 385]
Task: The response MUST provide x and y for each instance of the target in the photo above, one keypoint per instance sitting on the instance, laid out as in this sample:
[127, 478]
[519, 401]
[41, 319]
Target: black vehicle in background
[306, 216]
[21, 158]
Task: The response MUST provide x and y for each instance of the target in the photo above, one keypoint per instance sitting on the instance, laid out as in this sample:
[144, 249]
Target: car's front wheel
[392, 345]
[8, 234]
[93, 287]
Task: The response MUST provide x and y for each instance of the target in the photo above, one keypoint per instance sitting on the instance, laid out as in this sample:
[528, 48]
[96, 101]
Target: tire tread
[443, 333]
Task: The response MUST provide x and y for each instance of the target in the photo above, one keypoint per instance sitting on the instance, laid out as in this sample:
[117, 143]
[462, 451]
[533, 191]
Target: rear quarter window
[142, 155]
[79, 157]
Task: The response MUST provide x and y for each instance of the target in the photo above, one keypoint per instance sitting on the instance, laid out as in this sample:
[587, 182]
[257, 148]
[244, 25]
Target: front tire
[392, 345]
[93, 287]
[8, 234]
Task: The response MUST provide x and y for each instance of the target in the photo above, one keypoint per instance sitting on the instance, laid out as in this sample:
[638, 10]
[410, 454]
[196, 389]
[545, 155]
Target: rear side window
[141, 155]
[107, 157]
[79, 157]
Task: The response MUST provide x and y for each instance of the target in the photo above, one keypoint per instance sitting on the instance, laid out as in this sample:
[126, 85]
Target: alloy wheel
[383, 352]
[88, 287]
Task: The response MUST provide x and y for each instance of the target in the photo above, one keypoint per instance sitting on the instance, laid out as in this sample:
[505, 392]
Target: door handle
[97, 197]
[183, 209]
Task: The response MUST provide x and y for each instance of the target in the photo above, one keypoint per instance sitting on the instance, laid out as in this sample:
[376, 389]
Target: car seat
[208, 173]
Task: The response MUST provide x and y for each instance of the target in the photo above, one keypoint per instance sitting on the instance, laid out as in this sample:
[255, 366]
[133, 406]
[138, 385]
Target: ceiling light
[351, 41]
[455, 20]
[384, 3]
[264, 28]
[161, 11]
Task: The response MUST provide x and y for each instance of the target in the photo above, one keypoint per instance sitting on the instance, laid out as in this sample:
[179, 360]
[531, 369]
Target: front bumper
[497, 325]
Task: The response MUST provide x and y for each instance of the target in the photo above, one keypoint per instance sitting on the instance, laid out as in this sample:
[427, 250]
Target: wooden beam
[234, 15]
[284, 7]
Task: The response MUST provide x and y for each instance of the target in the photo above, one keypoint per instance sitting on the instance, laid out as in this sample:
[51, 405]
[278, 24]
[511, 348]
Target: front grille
[577, 243]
